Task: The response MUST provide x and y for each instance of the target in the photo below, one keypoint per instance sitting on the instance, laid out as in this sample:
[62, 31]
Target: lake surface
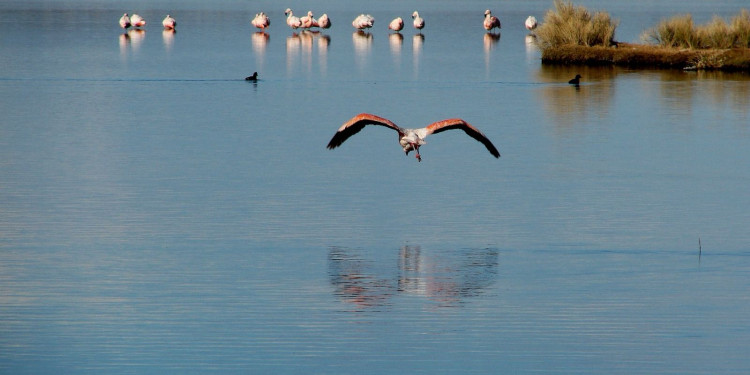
[160, 215]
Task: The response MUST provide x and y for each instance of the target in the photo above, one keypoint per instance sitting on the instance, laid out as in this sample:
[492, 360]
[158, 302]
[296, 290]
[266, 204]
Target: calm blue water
[160, 215]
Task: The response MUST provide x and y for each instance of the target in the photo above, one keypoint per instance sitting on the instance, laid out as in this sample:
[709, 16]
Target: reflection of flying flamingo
[409, 139]
[125, 21]
[168, 22]
[490, 21]
[292, 20]
[397, 24]
[261, 21]
[137, 21]
[324, 22]
[418, 21]
[447, 278]
[530, 23]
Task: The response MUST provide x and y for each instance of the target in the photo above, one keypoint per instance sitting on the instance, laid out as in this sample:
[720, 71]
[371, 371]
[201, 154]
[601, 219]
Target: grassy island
[572, 35]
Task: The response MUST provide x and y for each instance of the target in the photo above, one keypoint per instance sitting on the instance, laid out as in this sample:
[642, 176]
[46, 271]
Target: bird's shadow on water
[447, 278]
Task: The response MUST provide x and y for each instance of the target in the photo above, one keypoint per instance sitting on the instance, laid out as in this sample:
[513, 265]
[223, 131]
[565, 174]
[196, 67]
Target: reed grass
[569, 24]
[573, 35]
[681, 32]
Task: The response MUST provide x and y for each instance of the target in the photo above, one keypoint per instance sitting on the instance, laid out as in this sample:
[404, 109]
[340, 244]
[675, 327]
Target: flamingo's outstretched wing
[355, 124]
[457, 123]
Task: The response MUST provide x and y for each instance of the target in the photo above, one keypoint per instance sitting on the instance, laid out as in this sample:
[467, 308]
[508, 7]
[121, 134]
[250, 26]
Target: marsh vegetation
[570, 24]
[681, 32]
[572, 34]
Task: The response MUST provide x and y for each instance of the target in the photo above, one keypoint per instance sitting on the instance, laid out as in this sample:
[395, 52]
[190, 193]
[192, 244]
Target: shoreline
[648, 56]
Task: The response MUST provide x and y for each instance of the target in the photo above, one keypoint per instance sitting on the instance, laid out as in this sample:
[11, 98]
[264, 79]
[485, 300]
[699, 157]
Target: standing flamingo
[324, 22]
[169, 23]
[397, 24]
[292, 20]
[363, 21]
[530, 23]
[261, 21]
[409, 139]
[125, 21]
[418, 21]
[490, 21]
[308, 21]
[137, 20]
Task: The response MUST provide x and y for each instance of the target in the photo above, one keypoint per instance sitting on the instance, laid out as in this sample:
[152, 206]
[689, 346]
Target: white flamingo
[308, 21]
[409, 139]
[397, 24]
[137, 21]
[531, 23]
[363, 21]
[324, 22]
[418, 21]
[490, 21]
[125, 21]
[261, 21]
[292, 20]
[168, 22]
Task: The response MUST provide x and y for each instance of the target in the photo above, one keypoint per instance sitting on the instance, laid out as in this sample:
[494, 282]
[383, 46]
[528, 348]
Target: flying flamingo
[292, 20]
[125, 21]
[324, 22]
[418, 21]
[490, 21]
[397, 24]
[169, 22]
[531, 23]
[409, 139]
[261, 21]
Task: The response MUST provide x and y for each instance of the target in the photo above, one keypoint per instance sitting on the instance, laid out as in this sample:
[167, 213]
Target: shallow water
[159, 214]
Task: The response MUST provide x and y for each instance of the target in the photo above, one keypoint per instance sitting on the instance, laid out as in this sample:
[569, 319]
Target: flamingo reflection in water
[447, 277]
[396, 41]
[167, 36]
[362, 42]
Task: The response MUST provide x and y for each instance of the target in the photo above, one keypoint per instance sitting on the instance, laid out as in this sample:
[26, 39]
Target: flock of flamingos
[408, 139]
[361, 22]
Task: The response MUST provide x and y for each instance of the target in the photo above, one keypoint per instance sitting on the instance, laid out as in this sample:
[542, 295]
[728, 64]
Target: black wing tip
[494, 152]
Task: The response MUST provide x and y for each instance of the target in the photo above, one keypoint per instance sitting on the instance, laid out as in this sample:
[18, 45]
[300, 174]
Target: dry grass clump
[680, 32]
[568, 24]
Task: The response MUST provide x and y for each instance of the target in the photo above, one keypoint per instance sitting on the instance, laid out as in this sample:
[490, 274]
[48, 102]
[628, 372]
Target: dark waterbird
[409, 139]
[253, 77]
[576, 80]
